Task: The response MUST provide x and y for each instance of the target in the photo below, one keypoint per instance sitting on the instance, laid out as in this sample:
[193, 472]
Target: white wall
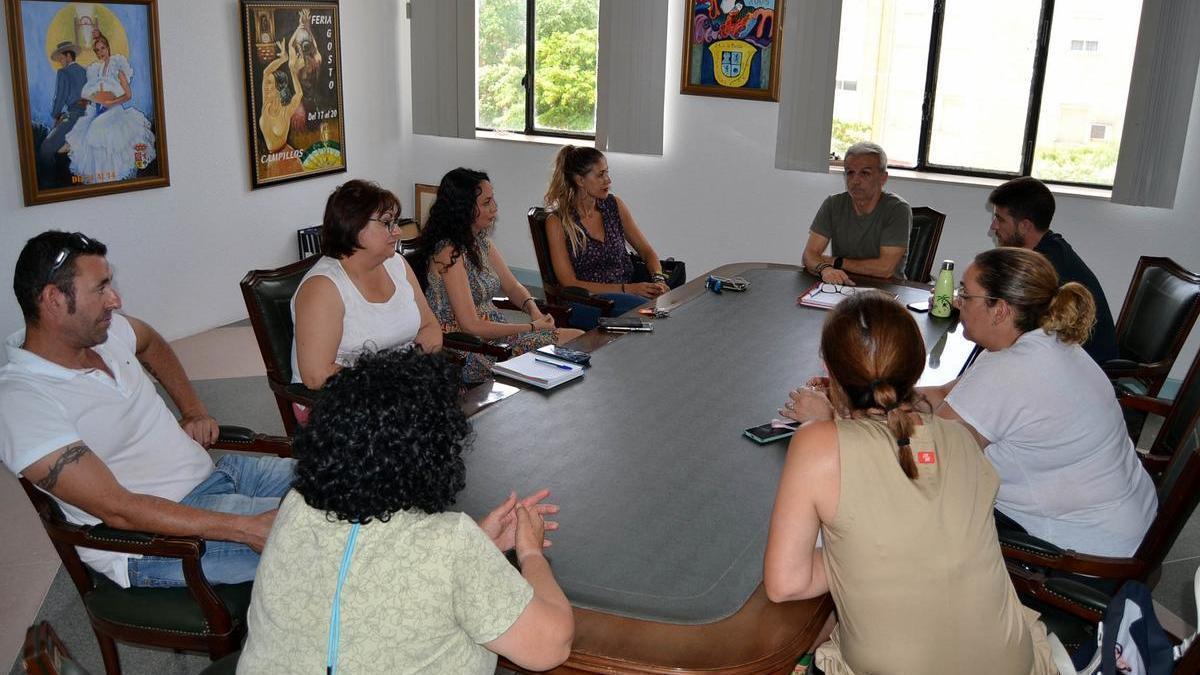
[180, 251]
[713, 197]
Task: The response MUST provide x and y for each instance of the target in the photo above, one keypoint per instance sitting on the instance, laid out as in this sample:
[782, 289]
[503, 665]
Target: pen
[551, 363]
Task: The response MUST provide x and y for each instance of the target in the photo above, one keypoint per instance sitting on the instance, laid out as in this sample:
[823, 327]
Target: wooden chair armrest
[1124, 368]
[295, 393]
[465, 342]
[242, 439]
[1155, 465]
[1070, 596]
[104, 538]
[1146, 404]
[1029, 550]
[560, 313]
[567, 294]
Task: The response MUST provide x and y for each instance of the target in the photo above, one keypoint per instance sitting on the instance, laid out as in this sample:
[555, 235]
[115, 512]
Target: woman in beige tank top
[903, 503]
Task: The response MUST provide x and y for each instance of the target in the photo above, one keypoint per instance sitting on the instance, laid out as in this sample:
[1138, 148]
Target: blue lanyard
[335, 630]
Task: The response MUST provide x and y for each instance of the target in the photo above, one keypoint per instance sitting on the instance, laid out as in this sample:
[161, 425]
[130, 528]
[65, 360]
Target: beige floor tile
[20, 529]
[220, 353]
[23, 588]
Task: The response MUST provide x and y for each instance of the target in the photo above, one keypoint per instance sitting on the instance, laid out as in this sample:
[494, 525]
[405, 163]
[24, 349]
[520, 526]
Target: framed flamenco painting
[732, 48]
[87, 88]
[293, 70]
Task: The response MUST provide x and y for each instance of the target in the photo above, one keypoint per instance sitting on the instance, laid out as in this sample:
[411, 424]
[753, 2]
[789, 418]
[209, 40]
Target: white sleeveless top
[366, 325]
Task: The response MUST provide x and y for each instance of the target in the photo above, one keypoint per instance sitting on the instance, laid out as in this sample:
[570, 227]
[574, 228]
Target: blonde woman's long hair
[572, 162]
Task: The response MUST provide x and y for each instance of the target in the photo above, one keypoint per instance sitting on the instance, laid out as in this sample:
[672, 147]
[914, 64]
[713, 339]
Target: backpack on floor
[1130, 639]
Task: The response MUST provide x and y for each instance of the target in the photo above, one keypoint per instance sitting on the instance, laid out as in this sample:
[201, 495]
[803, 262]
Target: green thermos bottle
[943, 291]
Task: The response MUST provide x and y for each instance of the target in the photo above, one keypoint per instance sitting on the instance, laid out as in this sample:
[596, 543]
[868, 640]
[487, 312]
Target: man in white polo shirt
[80, 419]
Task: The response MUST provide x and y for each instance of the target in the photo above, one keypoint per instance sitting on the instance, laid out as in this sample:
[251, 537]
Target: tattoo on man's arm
[72, 454]
[149, 369]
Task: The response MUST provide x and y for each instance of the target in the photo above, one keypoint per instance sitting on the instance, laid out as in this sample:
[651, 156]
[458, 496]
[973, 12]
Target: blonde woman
[588, 230]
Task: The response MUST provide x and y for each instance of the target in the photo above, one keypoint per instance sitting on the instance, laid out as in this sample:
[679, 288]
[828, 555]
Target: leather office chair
[200, 617]
[923, 241]
[45, 654]
[268, 296]
[465, 342]
[1180, 417]
[1160, 309]
[556, 292]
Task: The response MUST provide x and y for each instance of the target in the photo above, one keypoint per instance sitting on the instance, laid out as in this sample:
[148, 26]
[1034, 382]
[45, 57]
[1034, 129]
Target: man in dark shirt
[1021, 212]
[68, 105]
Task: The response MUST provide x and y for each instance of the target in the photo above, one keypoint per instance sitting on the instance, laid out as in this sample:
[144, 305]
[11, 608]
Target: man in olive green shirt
[868, 228]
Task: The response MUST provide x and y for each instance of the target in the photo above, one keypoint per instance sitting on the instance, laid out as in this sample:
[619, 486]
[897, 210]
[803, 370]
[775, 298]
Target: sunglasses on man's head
[65, 252]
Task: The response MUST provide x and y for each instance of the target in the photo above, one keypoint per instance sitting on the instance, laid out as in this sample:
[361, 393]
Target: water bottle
[943, 291]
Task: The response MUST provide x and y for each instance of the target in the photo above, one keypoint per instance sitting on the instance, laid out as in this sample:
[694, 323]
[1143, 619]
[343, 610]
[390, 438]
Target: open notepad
[538, 370]
[827, 296]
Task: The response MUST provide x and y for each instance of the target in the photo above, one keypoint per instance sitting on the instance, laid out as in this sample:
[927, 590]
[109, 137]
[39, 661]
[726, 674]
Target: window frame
[1033, 106]
[527, 83]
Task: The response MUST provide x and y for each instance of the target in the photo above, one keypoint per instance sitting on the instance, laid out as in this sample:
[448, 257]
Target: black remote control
[564, 354]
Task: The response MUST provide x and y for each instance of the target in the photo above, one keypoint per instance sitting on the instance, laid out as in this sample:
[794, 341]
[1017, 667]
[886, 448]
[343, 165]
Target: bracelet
[527, 301]
[658, 277]
[820, 268]
[531, 328]
[622, 288]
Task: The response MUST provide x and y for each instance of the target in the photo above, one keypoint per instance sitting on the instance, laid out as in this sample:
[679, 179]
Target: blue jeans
[585, 317]
[240, 484]
[57, 136]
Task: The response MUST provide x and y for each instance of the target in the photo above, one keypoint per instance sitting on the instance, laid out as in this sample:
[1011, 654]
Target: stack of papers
[827, 296]
[538, 370]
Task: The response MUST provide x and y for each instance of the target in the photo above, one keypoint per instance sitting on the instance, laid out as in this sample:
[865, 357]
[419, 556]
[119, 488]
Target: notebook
[534, 368]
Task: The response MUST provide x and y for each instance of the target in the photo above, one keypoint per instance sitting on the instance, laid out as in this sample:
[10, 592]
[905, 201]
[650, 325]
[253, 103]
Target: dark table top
[665, 504]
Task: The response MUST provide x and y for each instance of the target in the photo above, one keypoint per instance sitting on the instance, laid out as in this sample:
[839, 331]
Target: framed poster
[87, 88]
[423, 197]
[732, 48]
[293, 71]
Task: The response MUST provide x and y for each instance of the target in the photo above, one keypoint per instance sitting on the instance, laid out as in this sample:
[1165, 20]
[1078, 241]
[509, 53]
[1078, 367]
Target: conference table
[665, 505]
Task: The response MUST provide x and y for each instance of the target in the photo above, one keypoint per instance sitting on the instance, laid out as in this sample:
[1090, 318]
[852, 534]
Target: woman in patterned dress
[465, 271]
[111, 141]
[588, 232]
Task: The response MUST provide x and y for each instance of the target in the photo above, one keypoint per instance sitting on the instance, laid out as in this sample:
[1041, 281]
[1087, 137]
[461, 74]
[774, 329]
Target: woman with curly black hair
[365, 567]
[465, 271]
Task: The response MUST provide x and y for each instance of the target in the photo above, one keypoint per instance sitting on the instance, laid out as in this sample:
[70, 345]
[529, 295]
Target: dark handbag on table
[675, 270]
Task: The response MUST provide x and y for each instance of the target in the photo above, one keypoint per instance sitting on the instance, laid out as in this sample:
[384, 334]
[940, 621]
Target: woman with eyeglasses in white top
[360, 294]
[1042, 409]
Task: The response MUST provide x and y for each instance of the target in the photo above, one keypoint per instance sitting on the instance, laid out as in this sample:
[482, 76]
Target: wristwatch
[837, 262]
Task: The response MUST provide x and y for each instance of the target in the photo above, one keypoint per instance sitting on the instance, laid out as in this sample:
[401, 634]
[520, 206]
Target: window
[1099, 132]
[536, 66]
[988, 89]
[847, 85]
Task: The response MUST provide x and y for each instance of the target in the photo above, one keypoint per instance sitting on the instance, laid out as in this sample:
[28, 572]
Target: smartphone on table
[770, 432]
